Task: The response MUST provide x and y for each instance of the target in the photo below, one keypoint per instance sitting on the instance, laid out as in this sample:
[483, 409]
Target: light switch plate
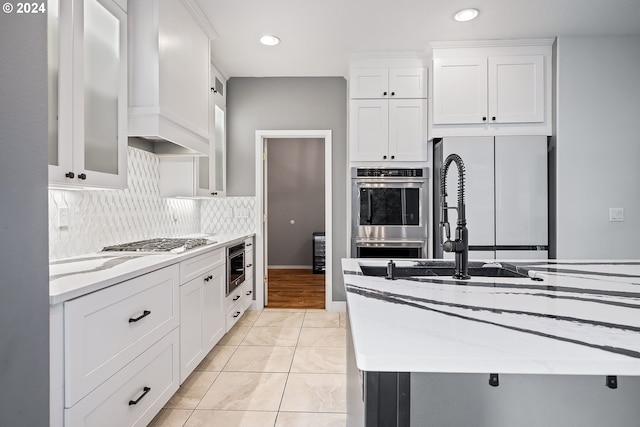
[63, 217]
[616, 214]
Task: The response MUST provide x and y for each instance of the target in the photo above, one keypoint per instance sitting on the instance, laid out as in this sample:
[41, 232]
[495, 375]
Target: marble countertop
[73, 277]
[582, 319]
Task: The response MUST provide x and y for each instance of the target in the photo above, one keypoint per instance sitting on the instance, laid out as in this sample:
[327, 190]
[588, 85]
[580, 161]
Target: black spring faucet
[459, 246]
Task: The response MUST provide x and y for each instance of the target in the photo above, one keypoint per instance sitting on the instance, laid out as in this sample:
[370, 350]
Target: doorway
[263, 139]
[294, 196]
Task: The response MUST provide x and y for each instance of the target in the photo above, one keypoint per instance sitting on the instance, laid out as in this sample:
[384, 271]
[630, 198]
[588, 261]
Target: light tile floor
[274, 368]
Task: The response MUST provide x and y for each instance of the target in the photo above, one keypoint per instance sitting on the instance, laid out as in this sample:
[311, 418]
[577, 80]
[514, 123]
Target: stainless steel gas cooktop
[163, 244]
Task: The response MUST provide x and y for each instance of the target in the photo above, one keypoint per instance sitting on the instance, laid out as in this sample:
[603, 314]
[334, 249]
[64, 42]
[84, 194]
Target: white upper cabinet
[491, 88]
[459, 90]
[371, 83]
[90, 147]
[169, 73]
[388, 111]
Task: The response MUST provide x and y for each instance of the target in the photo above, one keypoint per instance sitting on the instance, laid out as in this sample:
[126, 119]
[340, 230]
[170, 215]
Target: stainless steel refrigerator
[506, 195]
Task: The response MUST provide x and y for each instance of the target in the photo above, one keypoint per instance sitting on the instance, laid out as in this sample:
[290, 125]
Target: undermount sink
[445, 268]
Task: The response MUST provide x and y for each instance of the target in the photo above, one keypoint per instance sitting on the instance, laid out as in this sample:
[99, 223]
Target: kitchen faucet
[460, 246]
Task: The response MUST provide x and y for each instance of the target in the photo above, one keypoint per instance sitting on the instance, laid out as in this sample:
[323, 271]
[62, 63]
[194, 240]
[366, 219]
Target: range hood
[169, 76]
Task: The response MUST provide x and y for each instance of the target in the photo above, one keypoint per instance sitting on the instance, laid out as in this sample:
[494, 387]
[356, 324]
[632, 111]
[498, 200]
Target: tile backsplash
[99, 218]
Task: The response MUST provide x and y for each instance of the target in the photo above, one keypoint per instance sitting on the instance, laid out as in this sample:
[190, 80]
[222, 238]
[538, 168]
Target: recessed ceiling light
[269, 40]
[466, 15]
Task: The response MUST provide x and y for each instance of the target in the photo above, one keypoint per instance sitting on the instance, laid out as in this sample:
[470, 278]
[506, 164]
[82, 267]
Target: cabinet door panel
[213, 326]
[191, 345]
[369, 83]
[407, 132]
[369, 129]
[407, 83]
[516, 89]
[459, 90]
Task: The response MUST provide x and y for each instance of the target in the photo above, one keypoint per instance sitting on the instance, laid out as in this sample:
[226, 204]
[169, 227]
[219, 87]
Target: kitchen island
[560, 347]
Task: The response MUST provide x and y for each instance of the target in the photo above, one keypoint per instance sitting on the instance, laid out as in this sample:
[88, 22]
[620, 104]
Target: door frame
[261, 269]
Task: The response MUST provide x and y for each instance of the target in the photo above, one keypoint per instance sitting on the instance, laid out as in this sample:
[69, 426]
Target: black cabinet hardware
[70, 175]
[384, 157]
[249, 292]
[215, 193]
[393, 157]
[237, 314]
[249, 265]
[82, 176]
[206, 279]
[214, 90]
[236, 298]
[384, 93]
[484, 119]
[144, 314]
[249, 244]
[393, 93]
[493, 118]
[494, 380]
[612, 381]
[145, 391]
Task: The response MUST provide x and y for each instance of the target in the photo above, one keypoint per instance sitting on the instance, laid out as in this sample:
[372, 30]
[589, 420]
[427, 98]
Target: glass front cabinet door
[91, 144]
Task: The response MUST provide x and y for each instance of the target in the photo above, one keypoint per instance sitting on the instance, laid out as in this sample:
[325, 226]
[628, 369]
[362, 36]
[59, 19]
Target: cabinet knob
[384, 157]
[214, 90]
[70, 175]
[384, 93]
[393, 93]
[393, 157]
[82, 176]
[215, 193]
[484, 119]
[493, 118]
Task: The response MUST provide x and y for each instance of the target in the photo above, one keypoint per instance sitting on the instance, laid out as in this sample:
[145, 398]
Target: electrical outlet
[63, 217]
[616, 214]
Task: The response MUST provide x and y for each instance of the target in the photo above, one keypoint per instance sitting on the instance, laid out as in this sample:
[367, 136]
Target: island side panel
[523, 400]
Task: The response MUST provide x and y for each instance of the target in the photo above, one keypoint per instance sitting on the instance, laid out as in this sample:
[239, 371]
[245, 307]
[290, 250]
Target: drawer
[194, 267]
[135, 394]
[233, 298]
[107, 329]
[234, 315]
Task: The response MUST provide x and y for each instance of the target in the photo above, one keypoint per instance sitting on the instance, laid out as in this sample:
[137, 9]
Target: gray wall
[295, 103]
[295, 176]
[24, 277]
[596, 149]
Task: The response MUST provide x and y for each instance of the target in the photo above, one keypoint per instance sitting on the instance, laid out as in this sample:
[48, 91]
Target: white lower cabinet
[202, 321]
[136, 393]
[107, 329]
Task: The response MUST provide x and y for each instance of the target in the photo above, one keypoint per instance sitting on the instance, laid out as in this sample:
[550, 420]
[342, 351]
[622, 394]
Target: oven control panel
[389, 172]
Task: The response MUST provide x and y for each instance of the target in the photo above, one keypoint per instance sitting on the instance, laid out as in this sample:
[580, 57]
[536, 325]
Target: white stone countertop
[73, 277]
[582, 319]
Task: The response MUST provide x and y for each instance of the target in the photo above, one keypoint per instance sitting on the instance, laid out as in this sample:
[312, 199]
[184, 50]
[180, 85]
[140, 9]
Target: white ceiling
[318, 36]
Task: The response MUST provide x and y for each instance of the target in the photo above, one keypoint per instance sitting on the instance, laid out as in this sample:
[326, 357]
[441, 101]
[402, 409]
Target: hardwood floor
[295, 288]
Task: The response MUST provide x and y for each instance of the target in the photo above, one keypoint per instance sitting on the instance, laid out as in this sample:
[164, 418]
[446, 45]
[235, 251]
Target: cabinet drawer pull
[493, 118]
[206, 279]
[484, 119]
[249, 244]
[236, 298]
[145, 391]
[249, 292]
[237, 314]
[82, 176]
[249, 265]
[144, 314]
[70, 175]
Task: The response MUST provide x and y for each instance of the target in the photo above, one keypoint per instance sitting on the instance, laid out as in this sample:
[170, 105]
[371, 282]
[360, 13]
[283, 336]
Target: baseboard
[290, 267]
[340, 306]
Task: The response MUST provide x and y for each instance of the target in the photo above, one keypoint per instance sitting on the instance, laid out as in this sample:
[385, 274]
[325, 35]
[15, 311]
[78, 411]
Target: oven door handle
[398, 183]
[404, 243]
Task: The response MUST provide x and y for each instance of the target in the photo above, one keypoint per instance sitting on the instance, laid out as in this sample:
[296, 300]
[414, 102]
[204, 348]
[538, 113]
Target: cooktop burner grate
[163, 244]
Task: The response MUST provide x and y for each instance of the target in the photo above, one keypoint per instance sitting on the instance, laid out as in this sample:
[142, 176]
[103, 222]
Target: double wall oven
[389, 212]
